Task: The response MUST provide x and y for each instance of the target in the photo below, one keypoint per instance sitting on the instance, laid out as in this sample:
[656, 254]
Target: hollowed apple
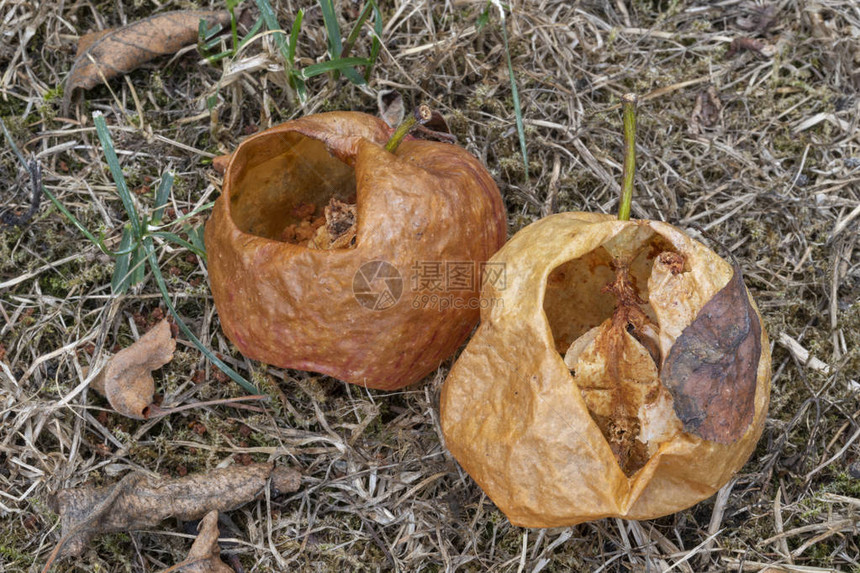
[346, 309]
[624, 372]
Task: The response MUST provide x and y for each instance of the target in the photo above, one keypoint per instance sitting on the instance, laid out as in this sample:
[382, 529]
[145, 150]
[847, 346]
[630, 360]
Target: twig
[34, 169]
[35, 172]
[716, 520]
[159, 412]
[802, 354]
[778, 526]
[835, 456]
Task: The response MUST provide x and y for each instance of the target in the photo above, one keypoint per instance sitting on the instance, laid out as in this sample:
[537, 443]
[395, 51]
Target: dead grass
[774, 181]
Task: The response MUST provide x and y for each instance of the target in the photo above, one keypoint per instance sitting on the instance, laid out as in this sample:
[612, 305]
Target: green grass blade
[356, 29]
[206, 36]
[207, 47]
[376, 44]
[335, 47]
[97, 241]
[299, 85]
[234, 26]
[324, 67]
[484, 18]
[138, 266]
[267, 13]
[195, 235]
[294, 37]
[271, 20]
[219, 56]
[350, 72]
[195, 212]
[518, 112]
[161, 196]
[251, 33]
[176, 239]
[14, 147]
[119, 282]
[116, 172]
[162, 287]
[370, 7]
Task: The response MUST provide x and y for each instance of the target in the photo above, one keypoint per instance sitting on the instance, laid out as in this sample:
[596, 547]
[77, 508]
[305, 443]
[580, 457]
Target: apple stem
[628, 106]
[420, 116]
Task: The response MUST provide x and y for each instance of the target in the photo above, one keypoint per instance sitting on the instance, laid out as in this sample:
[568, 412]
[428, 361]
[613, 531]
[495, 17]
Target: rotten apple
[623, 371]
[315, 240]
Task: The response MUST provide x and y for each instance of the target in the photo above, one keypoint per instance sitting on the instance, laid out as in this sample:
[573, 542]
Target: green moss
[13, 557]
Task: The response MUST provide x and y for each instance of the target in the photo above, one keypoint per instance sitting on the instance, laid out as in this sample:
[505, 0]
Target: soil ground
[748, 135]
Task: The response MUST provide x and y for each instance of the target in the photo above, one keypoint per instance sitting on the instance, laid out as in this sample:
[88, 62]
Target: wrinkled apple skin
[515, 420]
[293, 307]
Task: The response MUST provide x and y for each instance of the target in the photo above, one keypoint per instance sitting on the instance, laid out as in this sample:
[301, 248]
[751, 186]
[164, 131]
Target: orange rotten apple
[313, 244]
[622, 371]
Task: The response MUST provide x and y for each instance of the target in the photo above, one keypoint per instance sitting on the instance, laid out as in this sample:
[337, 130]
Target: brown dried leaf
[204, 555]
[711, 369]
[127, 381]
[219, 164]
[139, 501]
[753, 45]
[109, 53]
[391, 108]
[436, 129]
[437, 124]
[758, 19]
[707, 111]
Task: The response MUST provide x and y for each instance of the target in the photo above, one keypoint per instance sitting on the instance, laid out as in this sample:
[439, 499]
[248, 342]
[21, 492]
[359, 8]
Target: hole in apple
[573, 301]
[597, 307]
[287, 187]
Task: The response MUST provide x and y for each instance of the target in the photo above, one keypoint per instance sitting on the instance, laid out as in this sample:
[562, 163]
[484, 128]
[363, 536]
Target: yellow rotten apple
[620, 370]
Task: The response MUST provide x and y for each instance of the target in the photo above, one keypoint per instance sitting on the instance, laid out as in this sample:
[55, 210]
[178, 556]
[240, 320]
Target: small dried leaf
[219, 164]
[436, 129]
[284, 480]
[127, 381]
[759, 19]
[437, 123]
[711, 369]
[205, 555]
[139, 501]
[707, 111]
[391, 108]
[109, 53]
[752, 44]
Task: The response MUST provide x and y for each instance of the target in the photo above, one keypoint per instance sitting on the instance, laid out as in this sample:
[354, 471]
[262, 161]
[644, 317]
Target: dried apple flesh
[616, 351]
[621, 371]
